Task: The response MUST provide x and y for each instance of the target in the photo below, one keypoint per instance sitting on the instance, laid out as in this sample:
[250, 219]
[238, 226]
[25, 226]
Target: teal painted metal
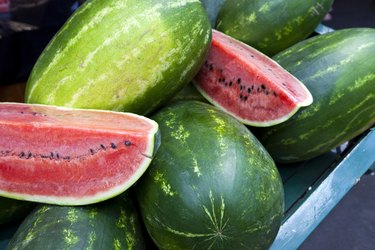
[305, 215]
[304, 176]
[322, 29]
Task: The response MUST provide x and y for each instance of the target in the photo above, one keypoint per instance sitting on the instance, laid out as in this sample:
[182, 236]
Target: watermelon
[211, 185]
[71, 156]
[271, 26]
[114, 224]
[126, 55]
[338, 69]
[13, 210]
[249, 85]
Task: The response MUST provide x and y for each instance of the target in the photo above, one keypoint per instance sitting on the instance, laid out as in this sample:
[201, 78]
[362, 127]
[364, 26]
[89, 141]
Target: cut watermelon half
[248, 84]
[69, 156]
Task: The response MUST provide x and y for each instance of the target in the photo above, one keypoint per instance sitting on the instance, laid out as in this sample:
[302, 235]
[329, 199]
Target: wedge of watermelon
[248, 84]
[69, 156]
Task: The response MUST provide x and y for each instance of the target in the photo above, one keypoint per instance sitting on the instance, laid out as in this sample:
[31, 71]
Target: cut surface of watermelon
[69, 156]
[248, 84]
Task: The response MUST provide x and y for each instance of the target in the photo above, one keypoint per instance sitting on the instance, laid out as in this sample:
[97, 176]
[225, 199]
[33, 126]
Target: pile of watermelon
[157, 124]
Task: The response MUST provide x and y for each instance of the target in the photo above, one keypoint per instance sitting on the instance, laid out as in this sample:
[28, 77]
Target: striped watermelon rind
[211, 184]
[271, 26]
[122, 55]
[338, 69]
[114, 224]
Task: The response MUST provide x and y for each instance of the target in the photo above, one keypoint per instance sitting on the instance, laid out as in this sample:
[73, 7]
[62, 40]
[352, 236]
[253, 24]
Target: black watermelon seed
[263, 87]
[127, 143]
[245, 98]
[66, 158]
[226, 84]
[252, 87]
[284, 84]
[252, 56]
[267, 92]
[51, 155]
[241, 87]
[249, 90]
[102, 146]
[211, 67]
[258, 89]
[239, 80]
[230, 83]
[44, 156]
[241, 97]
[91, 151]
[57, 156]
[29, 155]
[274, 93]
[22, 154]
[113, 145]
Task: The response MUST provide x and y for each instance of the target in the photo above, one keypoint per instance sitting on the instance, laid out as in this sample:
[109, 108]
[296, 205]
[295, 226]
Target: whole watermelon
[271, 26]
[338, 69]
[123, 55]
[211, 185]
[113, 224]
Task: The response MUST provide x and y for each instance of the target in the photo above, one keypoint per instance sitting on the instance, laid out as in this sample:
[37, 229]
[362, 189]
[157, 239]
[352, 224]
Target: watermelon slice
[249, 85]
[69, 156]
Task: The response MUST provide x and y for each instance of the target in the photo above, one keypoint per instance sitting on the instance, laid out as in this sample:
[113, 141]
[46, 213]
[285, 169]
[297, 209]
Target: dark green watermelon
[211, 184]
[114, 224]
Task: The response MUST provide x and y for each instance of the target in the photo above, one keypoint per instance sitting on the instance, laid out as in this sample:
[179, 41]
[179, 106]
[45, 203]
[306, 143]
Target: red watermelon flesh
[248, 84]
[67, 156]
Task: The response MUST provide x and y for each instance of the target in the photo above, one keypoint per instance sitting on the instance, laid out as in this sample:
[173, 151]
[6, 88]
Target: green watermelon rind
[211, 184]
[271, 26]
[337, 68]
[127, 56]
[113, 224]
[153, 145]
